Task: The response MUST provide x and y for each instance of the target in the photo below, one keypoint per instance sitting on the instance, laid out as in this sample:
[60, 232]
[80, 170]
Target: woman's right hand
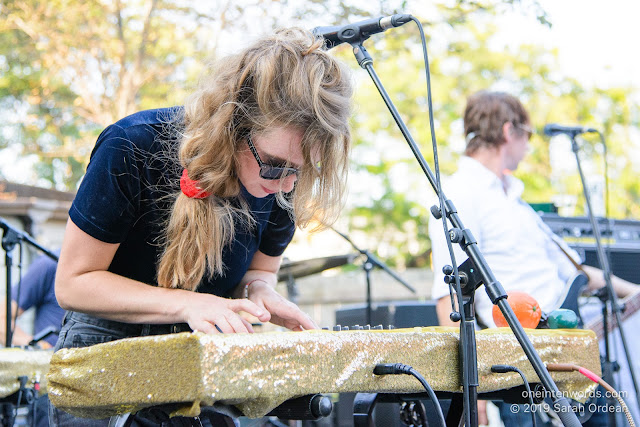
[212, 314]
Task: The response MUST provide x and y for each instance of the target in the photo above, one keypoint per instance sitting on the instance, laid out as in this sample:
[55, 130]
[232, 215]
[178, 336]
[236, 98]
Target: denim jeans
[82, 330]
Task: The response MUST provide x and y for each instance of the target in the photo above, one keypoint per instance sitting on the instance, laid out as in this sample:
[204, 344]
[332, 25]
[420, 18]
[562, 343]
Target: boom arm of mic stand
[493, 288]
[376, 262]
[27, 238]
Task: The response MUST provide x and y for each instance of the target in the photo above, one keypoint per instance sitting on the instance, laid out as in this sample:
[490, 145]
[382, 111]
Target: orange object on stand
[525, 307]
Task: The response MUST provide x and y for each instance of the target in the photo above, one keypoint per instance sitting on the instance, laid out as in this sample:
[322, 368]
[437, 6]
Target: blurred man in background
[521, 250]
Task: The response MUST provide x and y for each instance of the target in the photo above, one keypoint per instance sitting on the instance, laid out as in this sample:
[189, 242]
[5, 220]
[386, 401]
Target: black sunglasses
[268, 171]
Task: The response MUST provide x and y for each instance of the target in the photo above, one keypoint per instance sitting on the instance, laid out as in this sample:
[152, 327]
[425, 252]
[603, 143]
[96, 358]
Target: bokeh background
[69, 68]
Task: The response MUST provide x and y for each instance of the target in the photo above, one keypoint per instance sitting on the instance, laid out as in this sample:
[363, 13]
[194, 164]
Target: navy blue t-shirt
[37, 290]
[125, 198]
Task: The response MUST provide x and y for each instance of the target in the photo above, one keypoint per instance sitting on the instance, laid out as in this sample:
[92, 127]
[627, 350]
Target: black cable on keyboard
[503, 369]
[398, 369]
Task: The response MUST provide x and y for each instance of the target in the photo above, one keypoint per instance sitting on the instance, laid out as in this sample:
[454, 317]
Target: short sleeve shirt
[125, 198]
[37, 289]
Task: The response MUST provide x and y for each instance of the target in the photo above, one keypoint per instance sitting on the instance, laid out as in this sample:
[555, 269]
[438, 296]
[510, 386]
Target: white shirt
[515, 242]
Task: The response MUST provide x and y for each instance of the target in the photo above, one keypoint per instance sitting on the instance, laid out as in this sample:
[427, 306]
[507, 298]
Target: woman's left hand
[283, 312]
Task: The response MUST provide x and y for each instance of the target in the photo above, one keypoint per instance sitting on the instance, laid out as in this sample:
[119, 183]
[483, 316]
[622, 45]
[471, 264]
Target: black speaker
[623, 264]
[620, 240]
[399, 314]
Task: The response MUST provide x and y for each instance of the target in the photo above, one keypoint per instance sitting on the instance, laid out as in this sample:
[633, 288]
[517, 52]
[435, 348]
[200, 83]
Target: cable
[23, 382]
[568, 367]
[503, 369]
[436, 167]
[34, 403]
[399, 369]
[606, 175]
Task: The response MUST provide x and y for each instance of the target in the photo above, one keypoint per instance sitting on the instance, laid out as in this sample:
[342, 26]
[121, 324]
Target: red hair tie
[190, 187]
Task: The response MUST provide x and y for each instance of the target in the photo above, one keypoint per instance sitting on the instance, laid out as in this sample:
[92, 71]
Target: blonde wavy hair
[288, 80]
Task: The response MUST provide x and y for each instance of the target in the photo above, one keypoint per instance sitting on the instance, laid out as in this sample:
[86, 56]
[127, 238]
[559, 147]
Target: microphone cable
[607, 244]
[443, 216]
[569, 367]
[606, 175]
[402, 369]
[503, 369]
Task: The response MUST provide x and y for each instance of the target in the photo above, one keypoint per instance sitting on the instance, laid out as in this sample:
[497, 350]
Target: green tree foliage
[68, 68]
[72, 67]
[463, 62]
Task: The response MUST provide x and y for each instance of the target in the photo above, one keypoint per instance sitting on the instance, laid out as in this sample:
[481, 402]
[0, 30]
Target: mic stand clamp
[370, 262]
[469, 280]
[367, 266]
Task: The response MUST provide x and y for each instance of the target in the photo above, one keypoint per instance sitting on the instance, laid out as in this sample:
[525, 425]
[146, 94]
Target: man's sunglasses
[268, 171]
[527, 129]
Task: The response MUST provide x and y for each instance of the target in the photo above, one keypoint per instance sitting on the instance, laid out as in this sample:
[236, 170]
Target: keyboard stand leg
[454, 415]
[363, 405]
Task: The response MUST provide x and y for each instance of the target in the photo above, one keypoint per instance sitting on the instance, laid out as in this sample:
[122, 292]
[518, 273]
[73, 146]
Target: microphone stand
[370, 263]
[607, 294]
[11, 237]
[493, 288]
[292, 289]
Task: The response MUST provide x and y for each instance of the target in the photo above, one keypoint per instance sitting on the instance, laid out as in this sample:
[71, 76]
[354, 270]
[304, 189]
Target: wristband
[245, 293]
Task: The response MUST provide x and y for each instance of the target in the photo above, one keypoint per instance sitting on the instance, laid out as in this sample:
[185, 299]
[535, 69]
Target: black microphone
[553, 129]
[359, 31]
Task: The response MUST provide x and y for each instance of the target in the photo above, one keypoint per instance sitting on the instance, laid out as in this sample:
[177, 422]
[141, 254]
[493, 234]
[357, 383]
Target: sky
[597, 40]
